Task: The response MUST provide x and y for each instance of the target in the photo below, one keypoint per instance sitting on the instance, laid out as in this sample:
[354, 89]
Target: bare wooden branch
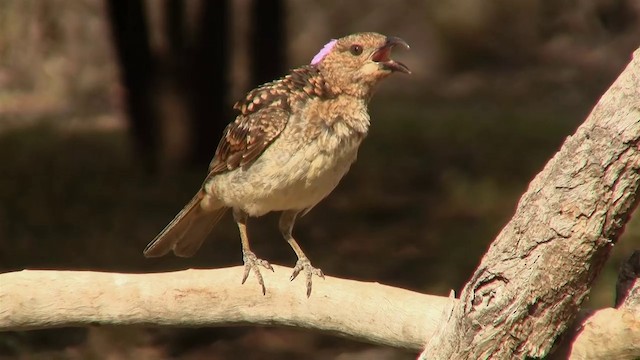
[369, 312]
[536, 274]
[609, 333]
[606, 334]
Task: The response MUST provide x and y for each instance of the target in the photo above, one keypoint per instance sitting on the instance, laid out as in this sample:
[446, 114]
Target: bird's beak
[382, 55]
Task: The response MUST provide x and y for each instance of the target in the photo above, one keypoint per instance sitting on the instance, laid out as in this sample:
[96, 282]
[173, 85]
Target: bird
[291, 143]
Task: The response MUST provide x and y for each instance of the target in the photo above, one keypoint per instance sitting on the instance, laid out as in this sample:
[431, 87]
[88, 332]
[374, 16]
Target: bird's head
[355, 63]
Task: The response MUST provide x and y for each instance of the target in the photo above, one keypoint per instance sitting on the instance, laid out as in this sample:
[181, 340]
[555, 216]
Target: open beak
[382, 55]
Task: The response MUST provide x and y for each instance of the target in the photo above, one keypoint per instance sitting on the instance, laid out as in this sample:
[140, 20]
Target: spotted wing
[247, 137]
[264, 114]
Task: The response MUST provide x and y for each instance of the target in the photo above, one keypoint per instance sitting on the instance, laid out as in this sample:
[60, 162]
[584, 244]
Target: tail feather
[187, 231]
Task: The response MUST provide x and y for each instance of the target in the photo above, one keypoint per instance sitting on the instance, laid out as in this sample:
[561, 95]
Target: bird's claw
[304, 264]
[252, 262]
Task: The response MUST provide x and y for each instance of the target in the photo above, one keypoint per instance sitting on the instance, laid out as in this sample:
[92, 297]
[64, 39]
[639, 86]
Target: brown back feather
[264, 114]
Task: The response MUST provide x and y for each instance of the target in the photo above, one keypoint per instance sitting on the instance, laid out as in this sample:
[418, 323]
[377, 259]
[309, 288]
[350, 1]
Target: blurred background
[111, 110]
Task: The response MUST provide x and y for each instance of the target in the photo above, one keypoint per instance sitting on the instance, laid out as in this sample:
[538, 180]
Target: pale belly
[288, 175]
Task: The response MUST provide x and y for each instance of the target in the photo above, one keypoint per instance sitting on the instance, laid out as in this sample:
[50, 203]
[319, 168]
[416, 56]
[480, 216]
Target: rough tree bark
[530, 284]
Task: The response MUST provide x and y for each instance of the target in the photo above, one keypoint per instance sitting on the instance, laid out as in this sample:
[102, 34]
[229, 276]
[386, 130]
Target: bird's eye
[355, 49]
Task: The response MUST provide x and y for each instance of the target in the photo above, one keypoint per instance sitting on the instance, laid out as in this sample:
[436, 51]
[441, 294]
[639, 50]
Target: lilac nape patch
[325, 50]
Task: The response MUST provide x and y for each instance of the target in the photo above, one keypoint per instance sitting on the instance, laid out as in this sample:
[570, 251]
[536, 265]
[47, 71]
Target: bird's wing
[247, 137]
[264, 114]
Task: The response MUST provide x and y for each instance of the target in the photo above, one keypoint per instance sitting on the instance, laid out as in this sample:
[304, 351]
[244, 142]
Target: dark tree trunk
[174, 25]
[176, 98]
[208, 74]
[137, 72]
[268, 40]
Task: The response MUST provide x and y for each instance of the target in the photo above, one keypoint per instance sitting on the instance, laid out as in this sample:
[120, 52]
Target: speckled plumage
[264, 113]
[292, 142]
[302, 165]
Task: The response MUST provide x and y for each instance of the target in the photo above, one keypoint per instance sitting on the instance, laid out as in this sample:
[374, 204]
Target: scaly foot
[304, 264]
[251, 262]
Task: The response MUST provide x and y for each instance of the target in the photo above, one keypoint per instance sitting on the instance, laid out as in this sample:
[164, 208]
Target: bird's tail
[186, 232]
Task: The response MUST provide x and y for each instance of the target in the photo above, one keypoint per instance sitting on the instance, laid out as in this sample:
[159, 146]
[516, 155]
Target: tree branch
[606, 334]
[609, 333]
[367, 312]
[531, 282]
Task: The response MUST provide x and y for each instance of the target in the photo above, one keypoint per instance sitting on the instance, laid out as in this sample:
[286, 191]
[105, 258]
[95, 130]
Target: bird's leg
[287, 220]
[251, 261]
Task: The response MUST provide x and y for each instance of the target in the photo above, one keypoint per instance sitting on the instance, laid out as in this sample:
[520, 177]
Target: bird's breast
[332, 152]
[300, 168]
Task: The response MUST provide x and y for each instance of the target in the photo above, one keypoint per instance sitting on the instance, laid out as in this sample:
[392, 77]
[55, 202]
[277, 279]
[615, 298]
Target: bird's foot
[251, 262]
[303, 264]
